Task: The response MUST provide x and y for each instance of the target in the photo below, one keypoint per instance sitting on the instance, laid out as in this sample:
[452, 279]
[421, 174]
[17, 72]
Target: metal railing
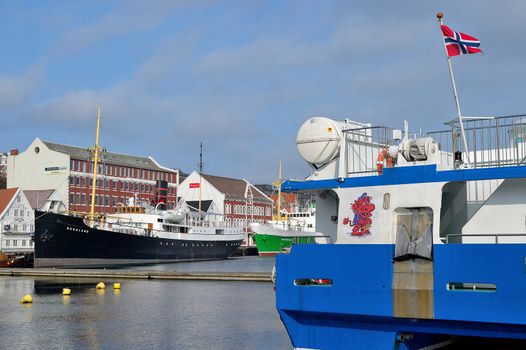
[457, 237]
[362, 148]
[491, 141]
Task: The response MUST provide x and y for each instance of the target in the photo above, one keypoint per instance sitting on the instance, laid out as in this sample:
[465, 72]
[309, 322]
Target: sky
[242, 76]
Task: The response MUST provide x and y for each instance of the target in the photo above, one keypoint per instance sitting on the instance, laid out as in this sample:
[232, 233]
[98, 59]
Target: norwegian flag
[459, 43]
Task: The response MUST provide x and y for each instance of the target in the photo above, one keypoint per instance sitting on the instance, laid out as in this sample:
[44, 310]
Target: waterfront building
[16, 222]
[3, 167]
[236, 201]
[68, 170]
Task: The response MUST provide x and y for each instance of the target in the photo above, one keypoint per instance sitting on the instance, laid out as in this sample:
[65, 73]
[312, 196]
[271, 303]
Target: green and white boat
[286, 229]
[275, 237]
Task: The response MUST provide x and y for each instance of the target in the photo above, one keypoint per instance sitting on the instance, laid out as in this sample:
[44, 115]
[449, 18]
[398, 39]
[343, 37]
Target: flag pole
[455, 95]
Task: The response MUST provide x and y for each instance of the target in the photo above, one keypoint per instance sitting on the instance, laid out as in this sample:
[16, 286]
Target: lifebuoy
[382, 156]
[380, 162]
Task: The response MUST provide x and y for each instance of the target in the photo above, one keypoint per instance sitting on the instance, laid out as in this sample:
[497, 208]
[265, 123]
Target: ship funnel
[161, 193]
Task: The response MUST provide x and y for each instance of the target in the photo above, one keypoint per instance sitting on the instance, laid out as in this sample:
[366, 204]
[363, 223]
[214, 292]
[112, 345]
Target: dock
[138, 274]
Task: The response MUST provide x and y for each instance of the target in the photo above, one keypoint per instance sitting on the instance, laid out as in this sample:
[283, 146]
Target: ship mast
[95, 168]
[278, 185]
[200, 165]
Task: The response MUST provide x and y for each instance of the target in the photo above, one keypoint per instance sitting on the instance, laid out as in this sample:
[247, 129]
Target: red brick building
[69, 171]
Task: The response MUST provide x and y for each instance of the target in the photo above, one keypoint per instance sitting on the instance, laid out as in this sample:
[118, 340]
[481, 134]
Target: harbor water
[145, 314]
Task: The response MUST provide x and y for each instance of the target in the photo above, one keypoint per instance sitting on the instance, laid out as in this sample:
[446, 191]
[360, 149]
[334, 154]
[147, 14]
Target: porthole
[387, 200]
[37, 149]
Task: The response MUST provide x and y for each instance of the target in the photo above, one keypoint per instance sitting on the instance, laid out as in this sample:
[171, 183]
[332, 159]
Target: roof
[5, 197]
[194, 205]
[37, 198]
[234, 188]
[107, 157]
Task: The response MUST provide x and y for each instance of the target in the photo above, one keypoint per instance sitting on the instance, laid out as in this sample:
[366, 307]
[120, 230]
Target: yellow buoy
[116, 286]
[26, 299]
[101, 285]
[66, 291]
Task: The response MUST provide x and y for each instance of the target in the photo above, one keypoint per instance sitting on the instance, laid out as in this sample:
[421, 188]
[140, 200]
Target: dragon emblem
[363, 210]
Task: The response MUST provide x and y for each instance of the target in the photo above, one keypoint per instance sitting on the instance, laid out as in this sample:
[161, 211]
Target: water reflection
[142, 315]
[54, 286]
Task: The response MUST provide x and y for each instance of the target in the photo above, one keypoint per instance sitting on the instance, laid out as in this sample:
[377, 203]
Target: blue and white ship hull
[426, 250]
[358, 310]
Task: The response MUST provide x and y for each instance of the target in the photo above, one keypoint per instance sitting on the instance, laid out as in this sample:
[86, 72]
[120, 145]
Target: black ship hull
[66, 241]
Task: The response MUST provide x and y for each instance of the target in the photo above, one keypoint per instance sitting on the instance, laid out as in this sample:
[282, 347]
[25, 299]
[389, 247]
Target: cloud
[242, 79]
[16, 91]
[128, 17]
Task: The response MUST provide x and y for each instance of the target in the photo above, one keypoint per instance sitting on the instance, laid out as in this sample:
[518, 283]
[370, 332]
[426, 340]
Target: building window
[83, 182]
[114, 201]
[84, 167]
[23, 243]
[30, 243]
[71, 180]
[71, 164]
[78, 198]
[107, 201]
[15, 243]
[96, 199]
[83, 199]
[77, 181]
[7, 242]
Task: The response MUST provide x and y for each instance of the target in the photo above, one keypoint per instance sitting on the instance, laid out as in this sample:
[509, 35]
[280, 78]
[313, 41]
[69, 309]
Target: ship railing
[496, 238]
[491, 141]
[362, 146]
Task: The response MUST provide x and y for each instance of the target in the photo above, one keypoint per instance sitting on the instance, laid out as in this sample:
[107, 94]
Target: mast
[200, 165]
[278, 185]
[95, 168]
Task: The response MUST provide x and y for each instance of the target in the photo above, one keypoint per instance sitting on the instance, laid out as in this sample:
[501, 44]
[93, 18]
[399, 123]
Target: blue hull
[356, 311]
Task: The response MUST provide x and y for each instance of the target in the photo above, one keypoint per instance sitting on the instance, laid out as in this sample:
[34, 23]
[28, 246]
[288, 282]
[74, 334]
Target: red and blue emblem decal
[363, 210]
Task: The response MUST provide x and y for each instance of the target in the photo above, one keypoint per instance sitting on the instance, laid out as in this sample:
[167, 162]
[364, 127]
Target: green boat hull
[270, 245]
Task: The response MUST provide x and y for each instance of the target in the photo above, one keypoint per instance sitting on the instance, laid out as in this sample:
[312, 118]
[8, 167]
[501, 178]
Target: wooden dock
[138, 274]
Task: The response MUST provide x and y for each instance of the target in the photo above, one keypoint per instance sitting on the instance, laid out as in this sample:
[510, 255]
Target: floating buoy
[116, 286]
[66, 291]
[101, 285]
[26, 299]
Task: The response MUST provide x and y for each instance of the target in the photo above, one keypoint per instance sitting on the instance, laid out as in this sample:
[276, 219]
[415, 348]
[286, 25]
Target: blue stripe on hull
[409, 175]
[358, 308]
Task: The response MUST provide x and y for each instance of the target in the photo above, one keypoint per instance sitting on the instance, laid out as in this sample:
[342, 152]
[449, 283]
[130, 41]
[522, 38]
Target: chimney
[13, 152]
